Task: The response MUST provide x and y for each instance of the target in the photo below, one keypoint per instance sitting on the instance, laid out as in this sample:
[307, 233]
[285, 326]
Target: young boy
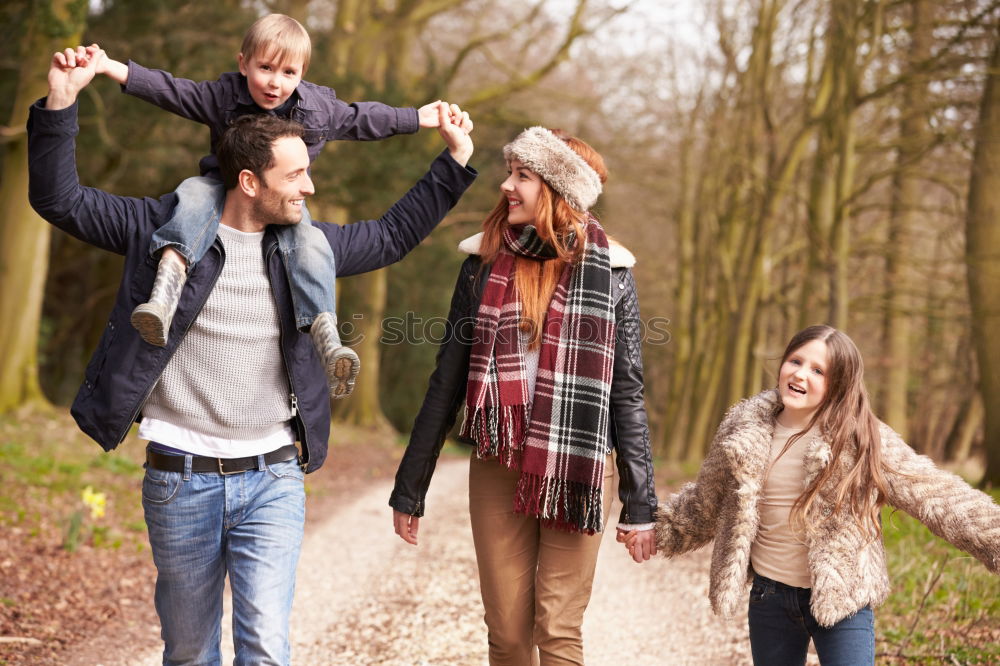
[272, 61]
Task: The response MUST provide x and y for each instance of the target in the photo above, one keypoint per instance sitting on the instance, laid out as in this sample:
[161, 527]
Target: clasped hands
[641, 544]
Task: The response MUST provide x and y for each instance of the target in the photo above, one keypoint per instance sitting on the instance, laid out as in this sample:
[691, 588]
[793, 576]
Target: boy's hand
[455, 133]
[113, 69]
[70, 72]
[428, 115]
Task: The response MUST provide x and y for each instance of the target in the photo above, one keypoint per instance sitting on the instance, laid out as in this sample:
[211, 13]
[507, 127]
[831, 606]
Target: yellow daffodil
[96, 501]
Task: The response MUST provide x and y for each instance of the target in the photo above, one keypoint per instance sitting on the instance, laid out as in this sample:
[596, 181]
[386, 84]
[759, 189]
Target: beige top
[778, 552]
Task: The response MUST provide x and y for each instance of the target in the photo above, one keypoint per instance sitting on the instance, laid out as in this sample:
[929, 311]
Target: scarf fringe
[560, 504]
[499, 433]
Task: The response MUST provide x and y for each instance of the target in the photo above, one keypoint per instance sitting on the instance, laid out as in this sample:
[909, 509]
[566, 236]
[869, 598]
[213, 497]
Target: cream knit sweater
[227, 377]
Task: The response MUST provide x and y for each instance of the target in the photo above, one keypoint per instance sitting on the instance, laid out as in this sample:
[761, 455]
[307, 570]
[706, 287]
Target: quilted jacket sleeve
[629, 427]
[961, 515]
[445, 392]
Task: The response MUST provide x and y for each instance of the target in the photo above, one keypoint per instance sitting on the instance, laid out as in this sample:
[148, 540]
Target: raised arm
[366, 246]
[54, 189]
[961, 515]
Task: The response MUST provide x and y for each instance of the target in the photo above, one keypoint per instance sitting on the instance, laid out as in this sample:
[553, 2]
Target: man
[237, 385]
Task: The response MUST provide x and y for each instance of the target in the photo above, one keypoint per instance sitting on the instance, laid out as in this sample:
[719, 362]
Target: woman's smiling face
[522, 189]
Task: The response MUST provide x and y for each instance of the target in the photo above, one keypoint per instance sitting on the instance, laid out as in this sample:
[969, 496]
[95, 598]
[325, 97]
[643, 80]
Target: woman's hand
[454, 126]
[641, 544]
[406, 526]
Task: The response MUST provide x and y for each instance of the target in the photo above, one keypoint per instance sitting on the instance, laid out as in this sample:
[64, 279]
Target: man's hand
[429, 116]
[454, 126]
[406, 526]
[70, 72]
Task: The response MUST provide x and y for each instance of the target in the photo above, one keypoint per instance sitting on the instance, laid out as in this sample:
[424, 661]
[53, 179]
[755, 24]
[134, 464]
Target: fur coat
[847, 570]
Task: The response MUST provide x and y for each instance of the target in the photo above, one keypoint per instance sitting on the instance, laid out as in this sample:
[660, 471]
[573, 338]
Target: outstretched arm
[367, 246]
[114, 70]
[961, 515]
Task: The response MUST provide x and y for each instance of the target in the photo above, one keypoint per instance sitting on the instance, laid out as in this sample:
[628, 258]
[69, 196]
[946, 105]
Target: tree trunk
[982, 248]
[958, 446]
[906, 193]
[24, 237]
[362, 304]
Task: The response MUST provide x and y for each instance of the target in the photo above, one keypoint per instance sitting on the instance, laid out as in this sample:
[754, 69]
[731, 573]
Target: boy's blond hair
[278, 36]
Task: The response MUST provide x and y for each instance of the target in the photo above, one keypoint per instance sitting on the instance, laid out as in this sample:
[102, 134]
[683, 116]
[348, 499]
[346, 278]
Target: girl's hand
[641, 545]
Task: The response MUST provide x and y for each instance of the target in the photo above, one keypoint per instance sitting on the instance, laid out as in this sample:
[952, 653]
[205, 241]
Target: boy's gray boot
[152, 319]
[342, 363]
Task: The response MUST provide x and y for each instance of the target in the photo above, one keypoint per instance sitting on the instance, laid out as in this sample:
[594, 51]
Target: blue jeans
[781, 625]
[308, 258]
[203, 526]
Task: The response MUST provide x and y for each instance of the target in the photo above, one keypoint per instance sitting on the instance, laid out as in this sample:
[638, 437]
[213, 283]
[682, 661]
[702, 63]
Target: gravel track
[369, 598]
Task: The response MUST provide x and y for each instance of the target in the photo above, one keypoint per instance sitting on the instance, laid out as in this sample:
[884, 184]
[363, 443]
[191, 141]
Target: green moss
[944, 604]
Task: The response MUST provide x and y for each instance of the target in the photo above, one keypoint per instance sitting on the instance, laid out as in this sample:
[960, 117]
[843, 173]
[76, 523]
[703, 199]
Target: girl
[791, 492]
[542, 351]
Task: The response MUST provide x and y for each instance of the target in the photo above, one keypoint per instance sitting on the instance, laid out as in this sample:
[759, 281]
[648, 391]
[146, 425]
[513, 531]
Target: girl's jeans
[781, 625]
[307, 255]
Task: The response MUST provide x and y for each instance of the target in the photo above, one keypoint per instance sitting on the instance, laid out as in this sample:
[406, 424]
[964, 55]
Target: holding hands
[70, 72]
[428, 115]
[454, 126]
[641, 544]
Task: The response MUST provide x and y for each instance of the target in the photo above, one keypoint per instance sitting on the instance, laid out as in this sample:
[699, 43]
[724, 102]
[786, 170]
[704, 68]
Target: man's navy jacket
[124, 368]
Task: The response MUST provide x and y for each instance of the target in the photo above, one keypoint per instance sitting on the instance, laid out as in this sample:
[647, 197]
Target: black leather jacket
[628, 431]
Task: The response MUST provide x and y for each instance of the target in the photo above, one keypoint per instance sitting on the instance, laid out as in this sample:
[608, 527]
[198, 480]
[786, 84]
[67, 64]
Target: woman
[542, 350]
[791, 492]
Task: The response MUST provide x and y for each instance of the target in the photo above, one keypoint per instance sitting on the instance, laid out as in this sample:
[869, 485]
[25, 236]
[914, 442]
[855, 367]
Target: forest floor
[82, 596]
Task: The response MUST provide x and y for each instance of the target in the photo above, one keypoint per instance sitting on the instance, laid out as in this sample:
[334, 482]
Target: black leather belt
[204, 465]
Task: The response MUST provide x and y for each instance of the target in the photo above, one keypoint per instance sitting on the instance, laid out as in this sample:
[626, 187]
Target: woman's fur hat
[559, 165]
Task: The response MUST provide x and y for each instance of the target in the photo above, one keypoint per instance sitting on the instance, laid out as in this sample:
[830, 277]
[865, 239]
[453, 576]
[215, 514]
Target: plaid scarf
[558, 440]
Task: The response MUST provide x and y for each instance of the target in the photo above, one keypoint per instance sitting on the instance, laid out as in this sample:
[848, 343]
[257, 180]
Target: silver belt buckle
[224, 472]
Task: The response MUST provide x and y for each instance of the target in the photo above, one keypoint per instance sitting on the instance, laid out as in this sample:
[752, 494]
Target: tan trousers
[535, 582]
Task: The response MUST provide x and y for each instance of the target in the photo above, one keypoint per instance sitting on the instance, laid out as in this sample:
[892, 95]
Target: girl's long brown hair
[846, 421]
[554, 219]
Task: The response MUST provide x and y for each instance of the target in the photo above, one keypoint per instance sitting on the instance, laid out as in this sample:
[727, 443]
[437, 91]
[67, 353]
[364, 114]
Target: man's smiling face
[284, 187]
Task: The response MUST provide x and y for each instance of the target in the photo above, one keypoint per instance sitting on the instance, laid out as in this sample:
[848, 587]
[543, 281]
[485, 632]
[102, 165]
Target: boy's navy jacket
[124, 368]
[218, 103]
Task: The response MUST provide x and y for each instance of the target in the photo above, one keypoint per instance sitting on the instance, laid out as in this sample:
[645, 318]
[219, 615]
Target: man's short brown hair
[249, 144]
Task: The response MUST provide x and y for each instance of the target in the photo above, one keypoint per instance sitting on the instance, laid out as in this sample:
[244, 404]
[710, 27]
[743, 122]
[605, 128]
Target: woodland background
[774, 163]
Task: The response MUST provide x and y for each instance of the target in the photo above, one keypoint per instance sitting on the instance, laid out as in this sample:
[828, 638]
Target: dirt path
[365, 597]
